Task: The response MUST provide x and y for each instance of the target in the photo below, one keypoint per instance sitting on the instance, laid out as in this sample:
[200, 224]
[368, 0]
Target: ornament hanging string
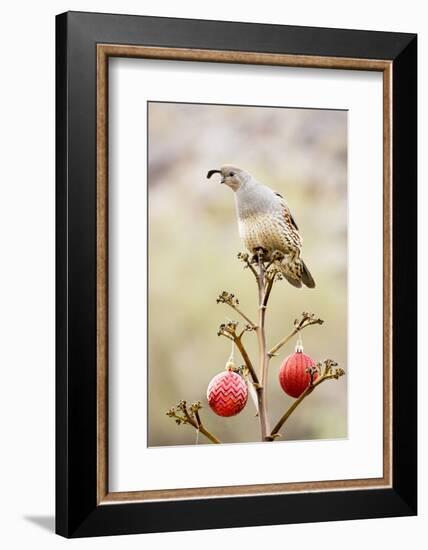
[231, 361]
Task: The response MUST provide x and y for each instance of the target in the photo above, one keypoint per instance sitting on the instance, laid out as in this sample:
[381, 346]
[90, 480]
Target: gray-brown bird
[265, 222]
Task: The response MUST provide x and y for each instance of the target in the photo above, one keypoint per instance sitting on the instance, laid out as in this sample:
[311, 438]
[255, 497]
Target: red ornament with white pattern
[293, 374]
[227, 392]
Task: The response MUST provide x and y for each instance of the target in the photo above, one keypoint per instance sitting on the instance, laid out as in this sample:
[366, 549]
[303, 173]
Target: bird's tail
[296, 273]
[307, 278]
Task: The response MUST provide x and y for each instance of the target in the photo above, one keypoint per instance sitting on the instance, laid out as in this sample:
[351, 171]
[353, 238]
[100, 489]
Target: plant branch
[226, 336]
[249, 321]
[229, 330]
[275, 432]
[318, 374]
[268, 289]
[307, 320]
[265, 269]
[247, 362]
[233, 302]
[244, 257]
[208, 434]
[183, 415]
[263, 357]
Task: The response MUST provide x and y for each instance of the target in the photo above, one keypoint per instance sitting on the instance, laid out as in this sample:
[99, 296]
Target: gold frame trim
[104, 51]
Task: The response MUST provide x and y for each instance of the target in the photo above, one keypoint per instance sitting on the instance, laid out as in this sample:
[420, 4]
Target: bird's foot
[260, 255]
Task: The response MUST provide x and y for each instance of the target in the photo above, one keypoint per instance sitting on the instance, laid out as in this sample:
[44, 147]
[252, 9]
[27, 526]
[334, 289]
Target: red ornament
[227, 393]
[293, 375]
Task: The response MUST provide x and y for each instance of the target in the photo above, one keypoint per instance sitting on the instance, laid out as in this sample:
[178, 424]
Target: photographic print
[226, 252]
[247, 285]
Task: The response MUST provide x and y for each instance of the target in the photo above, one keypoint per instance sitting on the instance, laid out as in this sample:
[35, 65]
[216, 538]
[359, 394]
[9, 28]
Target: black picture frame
[77, 512]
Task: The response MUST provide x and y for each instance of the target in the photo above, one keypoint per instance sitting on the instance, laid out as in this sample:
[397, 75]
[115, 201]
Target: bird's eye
[231, 174]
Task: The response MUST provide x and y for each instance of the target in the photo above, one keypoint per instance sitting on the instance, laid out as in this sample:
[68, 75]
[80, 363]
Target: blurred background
[193, 243]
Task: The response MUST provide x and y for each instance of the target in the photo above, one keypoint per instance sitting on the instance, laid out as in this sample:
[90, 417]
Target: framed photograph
[236, 274]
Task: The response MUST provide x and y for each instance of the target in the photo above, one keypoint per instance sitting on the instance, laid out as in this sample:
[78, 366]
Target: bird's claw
[259, 255]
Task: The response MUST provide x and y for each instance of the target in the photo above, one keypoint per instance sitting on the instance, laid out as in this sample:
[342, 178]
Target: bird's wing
[288, 216]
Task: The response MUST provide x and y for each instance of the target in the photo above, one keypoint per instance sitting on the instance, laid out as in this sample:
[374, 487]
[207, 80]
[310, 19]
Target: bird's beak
[211, 172]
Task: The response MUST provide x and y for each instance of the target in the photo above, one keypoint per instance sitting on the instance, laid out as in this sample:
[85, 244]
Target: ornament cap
[299, 344]
[230, 366]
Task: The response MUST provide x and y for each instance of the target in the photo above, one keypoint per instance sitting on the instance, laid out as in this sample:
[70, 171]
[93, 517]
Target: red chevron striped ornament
[293, 375]
[227, 393]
